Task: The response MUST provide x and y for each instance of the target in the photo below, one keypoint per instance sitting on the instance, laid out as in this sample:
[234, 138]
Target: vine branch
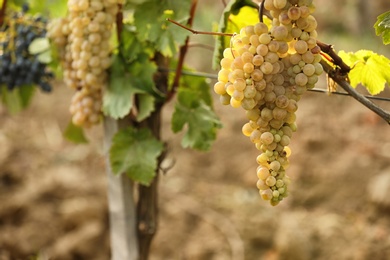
[335, 58]
[340, 79]
[261, 11]
[182, 52]
[199, 32]
[119, 23]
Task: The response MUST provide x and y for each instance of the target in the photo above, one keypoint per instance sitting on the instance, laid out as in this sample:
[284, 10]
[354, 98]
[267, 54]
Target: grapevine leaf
[125, 82]
[150, 20]
[131, 47]
[197, 85]
[142, 72]
[75, 134]
[17, 99]
[237, 14]
[39, 45]
[145, 106]
[382, 27]
[56, 8]
[26, 92]
[118, 98]
[45, 57]
[368, 68]
[135, 152]
[193, 109]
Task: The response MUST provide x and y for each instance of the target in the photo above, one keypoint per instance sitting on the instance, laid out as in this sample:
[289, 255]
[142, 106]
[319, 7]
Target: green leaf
[237, 14]
[146, 106]
[26, 94]
[135, 152]
[45, 57]
[193, 109]
[131, 47]
[382, 27]
[52, 8]
[368, 68]
[39, 45]
[17, 99]
[75, 134]
[118, 98]
[152, 26]
[125, 82]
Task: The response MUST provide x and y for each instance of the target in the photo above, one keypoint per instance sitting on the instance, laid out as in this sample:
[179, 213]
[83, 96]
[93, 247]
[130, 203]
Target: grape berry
[266, 71]
[17, 66]
[83, 41]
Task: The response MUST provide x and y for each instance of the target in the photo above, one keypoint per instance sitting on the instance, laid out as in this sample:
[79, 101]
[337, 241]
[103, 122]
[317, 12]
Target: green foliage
[75, 134]
[237, 14]
[131, 47]
[382, 27]
[41, 47]
[150, 21]
[368, 68]
[17, 99]
[193, 109]
[125, 82]
[146, 105]
[52, 8]
[135, 152]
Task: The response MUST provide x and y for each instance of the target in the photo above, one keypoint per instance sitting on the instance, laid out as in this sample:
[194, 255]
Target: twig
[119, 23]
[319, 90]
[200, 32]
[261, 11]
[182, 52]
[224, 3]
[336, 59]
[340, 79]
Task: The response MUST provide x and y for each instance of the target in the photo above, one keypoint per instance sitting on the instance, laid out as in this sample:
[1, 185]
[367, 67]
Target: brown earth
[53, 193]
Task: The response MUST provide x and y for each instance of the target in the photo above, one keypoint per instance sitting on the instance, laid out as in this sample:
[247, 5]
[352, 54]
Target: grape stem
[199, 32]
[182, 52]
[261, 11]
[119, 23]
[339, 77]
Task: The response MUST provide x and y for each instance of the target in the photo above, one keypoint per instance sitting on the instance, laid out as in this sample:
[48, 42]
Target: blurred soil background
[53, 193]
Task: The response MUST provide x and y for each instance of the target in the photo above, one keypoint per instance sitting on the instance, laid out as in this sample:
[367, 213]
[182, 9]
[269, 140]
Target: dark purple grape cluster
[17, 66]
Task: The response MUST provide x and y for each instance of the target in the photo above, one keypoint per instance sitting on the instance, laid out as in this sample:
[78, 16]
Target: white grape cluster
[265, 71]
[84, 37]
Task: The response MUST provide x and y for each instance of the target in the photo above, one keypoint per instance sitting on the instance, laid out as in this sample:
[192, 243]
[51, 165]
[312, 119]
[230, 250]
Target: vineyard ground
[53, 193]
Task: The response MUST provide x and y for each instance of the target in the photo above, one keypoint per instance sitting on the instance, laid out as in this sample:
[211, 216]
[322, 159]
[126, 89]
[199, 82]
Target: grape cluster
[83, 38]
[265, 71]
[17, 66]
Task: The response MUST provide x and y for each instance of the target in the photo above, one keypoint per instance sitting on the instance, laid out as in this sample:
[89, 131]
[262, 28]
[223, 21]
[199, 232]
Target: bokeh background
[53, 193]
